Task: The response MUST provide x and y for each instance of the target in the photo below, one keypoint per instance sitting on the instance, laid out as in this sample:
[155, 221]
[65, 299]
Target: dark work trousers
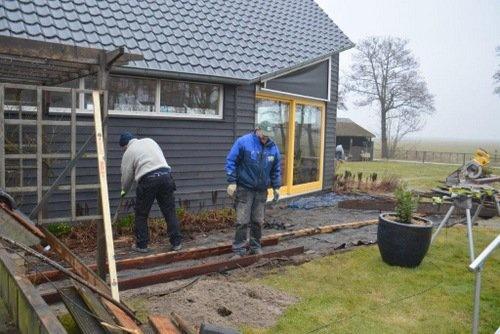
[160, 186]
[250, 206]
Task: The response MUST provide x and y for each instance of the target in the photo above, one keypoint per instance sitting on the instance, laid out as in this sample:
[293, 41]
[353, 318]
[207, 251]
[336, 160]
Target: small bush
[59, 229]
[406, 204]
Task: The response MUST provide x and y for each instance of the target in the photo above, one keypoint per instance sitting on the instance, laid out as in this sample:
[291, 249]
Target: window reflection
[189, 98]
[131, 94]
[307, 146]
[276, 113]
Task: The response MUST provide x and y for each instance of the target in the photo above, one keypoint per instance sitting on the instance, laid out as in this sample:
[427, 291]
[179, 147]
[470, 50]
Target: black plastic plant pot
[403, 245]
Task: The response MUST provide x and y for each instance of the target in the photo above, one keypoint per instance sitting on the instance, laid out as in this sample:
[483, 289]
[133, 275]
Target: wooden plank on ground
[121, 317]
[323, 229]
[163, 325]
[203, 269]
[182, 273]
[152, 260]
[24, 303]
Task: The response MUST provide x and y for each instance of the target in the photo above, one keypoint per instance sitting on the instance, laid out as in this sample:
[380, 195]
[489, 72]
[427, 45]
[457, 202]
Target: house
[211, 70]
[356, 140]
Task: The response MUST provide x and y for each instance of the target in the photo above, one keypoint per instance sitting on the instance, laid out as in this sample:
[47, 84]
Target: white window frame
[158, 114]
[146, 114]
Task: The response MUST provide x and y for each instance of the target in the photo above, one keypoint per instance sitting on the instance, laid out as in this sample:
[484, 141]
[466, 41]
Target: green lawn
[417, 175]
[355, 292]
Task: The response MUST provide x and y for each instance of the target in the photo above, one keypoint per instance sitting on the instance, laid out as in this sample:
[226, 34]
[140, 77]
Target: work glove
[276, 194]
[231, 189]
[123, 193]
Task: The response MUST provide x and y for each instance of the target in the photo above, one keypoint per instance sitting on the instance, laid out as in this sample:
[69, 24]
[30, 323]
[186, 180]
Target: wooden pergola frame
[34, 65]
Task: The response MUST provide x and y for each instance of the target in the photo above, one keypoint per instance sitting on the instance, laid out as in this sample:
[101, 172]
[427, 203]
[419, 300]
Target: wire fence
[437, 157]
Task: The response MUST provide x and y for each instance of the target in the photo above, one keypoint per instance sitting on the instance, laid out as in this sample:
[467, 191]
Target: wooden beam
[163, 325]
[39, 150]
[151, 260]
[103, 180]
[123, 319]
[182, 273]
[183, 324]
[24, 303]
[202, 269]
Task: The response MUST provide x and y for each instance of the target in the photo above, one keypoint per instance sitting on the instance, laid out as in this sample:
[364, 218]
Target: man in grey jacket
[144, 162]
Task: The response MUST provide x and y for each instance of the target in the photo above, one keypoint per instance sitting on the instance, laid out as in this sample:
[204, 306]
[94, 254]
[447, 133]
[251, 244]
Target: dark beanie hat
[125, 138]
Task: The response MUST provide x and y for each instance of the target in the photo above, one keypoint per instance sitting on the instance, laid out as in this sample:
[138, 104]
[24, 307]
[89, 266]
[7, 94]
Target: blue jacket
[252, 165]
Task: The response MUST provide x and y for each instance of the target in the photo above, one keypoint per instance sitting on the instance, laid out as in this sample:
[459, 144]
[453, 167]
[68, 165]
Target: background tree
[496, 76]
[385, 73]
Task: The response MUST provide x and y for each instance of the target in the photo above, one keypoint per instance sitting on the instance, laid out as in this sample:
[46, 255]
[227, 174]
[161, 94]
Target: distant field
[417, 175]
[444, 145]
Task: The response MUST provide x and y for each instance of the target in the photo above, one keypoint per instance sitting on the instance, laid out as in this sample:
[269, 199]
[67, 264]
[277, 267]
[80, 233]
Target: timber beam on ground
[183, 273]
[153, 260]
[149, 261]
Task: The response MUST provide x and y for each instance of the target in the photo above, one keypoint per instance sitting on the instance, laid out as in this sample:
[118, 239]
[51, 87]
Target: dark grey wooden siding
[195, 149]
[331, 118]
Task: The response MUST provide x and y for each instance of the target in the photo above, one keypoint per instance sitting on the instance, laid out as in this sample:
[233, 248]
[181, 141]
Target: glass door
[307, 147]
[298, 127]
[277, 113]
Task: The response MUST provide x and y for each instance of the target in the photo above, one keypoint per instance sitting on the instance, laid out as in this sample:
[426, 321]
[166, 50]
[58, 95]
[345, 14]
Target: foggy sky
[454, 41]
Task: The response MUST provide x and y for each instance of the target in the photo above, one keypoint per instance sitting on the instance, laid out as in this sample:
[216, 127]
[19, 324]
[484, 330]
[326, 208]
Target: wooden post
[2, 137]
[102, 78]
[103, 179]
[73, 154]
[39, 148]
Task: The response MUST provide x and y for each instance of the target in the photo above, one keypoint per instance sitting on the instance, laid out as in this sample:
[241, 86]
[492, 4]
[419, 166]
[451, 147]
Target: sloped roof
[239, 39]
[347, 128]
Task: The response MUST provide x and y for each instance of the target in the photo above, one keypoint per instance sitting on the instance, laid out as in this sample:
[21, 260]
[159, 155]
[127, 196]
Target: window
[189, 99]
[148, 97]
[276, 113]
[131, 94]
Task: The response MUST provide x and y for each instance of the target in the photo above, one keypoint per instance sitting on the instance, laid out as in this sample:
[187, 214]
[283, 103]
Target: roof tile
[239, 39]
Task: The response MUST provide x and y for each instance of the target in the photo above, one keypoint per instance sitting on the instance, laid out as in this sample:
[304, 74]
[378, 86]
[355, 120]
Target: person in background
[339, 153]
[252, 166]
[144, 162]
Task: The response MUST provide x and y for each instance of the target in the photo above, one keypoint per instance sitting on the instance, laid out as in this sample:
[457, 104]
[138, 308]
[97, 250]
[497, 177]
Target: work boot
[140, 250]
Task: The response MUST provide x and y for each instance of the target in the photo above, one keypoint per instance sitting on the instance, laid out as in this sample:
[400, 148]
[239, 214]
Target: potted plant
[403, 237]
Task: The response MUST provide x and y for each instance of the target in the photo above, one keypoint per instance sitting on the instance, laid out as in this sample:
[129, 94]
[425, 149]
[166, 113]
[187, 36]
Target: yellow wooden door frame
[288, 188]
[316, 185]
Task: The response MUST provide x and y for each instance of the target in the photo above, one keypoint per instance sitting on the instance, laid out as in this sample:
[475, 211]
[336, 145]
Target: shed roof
[238, 39]
[347, 128]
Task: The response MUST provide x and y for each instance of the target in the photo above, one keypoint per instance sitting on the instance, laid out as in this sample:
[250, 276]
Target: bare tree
[496, 76]
[385, 73]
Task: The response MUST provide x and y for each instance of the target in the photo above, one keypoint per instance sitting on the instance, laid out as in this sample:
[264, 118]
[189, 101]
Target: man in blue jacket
[252, 166]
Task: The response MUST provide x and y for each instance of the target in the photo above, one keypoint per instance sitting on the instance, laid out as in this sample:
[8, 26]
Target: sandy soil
[216, 301]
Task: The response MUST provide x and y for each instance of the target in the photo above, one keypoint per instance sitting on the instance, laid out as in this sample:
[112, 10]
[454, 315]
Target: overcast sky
[454, 41]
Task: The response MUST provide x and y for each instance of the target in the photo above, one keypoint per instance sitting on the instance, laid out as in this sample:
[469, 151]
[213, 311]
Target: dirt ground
[227, 298]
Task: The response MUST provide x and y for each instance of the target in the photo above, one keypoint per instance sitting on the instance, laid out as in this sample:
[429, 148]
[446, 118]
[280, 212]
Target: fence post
[423, 157]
